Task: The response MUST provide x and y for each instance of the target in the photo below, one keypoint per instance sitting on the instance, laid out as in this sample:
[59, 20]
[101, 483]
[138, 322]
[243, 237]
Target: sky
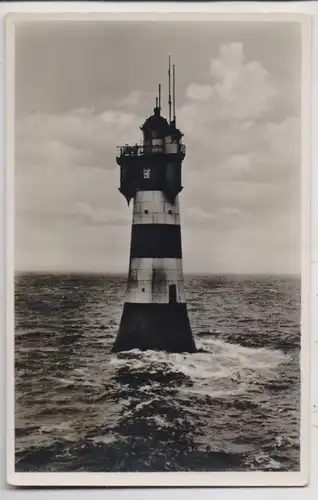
[83, 88]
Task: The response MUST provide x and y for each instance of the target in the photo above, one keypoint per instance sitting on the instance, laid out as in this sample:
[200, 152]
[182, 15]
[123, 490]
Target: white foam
[224, 369]
[265, 460]
[68, 381]
[105, 439]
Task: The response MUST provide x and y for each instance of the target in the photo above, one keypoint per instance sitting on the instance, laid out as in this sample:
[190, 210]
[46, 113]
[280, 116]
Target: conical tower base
[163, 327]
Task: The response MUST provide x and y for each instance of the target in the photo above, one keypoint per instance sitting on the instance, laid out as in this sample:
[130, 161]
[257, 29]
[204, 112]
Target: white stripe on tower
[151, 207]
[149, 280]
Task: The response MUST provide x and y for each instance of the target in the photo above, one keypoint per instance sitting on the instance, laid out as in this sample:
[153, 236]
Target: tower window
[170, 212]
[146, 211]
[146, 173]
[142, 289]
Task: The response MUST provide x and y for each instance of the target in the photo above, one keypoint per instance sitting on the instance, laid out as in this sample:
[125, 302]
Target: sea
[232, 406]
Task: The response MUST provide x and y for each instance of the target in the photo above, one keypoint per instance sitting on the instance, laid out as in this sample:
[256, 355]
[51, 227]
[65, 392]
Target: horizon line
[124, 273]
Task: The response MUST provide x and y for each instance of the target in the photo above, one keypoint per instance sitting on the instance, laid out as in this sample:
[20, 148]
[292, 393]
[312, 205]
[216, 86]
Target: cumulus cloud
[199, 92]
[245, 86]
[238, 90]
[247, 156]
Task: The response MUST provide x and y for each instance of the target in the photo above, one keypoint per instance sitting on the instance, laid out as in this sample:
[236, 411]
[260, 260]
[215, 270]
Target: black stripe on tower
[156, 240]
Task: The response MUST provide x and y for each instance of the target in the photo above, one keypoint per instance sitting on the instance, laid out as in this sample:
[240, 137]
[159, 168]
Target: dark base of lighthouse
[163, 327]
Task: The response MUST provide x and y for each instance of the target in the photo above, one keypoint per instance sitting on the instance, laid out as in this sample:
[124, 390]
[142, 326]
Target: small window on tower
[146, 173]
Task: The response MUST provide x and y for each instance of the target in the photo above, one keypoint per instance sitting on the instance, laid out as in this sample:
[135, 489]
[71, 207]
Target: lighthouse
[155, 314]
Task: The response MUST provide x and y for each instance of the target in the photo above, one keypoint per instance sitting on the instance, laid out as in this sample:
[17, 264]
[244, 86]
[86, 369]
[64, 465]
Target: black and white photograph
[158, 288]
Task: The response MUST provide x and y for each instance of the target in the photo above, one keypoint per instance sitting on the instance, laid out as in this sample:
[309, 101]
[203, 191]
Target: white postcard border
[171, 478]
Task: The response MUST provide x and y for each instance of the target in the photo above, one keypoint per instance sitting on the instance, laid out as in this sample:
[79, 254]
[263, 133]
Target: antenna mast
[159, 93]
[174, 92]
[169, 75]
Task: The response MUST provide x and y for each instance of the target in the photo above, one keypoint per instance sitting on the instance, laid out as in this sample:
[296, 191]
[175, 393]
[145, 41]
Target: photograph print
[157, 247]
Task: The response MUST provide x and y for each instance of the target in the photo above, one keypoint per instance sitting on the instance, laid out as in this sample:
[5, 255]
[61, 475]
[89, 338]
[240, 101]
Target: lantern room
[155, 164]
[155, 129]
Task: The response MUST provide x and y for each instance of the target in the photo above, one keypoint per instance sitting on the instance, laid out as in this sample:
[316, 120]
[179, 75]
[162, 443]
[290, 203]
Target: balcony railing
[131, 150]
[139, 150]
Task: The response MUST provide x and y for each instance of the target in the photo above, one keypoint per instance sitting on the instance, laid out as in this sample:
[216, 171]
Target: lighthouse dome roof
[157, 123]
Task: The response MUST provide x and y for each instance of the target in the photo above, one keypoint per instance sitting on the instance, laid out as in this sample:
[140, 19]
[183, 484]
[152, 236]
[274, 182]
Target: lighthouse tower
[155, 313]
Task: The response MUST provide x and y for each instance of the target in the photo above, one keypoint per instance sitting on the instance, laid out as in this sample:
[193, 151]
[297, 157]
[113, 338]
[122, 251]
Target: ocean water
[233, 406]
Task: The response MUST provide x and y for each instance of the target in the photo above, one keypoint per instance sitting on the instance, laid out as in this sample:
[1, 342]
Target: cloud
[199, 92]
[132, 100]
[245, 86]
[195, 215]
[243, 164]
[238, 89]
[90, 215]
[79, 136]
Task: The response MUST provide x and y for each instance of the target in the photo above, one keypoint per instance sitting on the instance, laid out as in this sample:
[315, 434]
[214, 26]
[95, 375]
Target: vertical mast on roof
[174, 92]
[169, 76]
[159, 99]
